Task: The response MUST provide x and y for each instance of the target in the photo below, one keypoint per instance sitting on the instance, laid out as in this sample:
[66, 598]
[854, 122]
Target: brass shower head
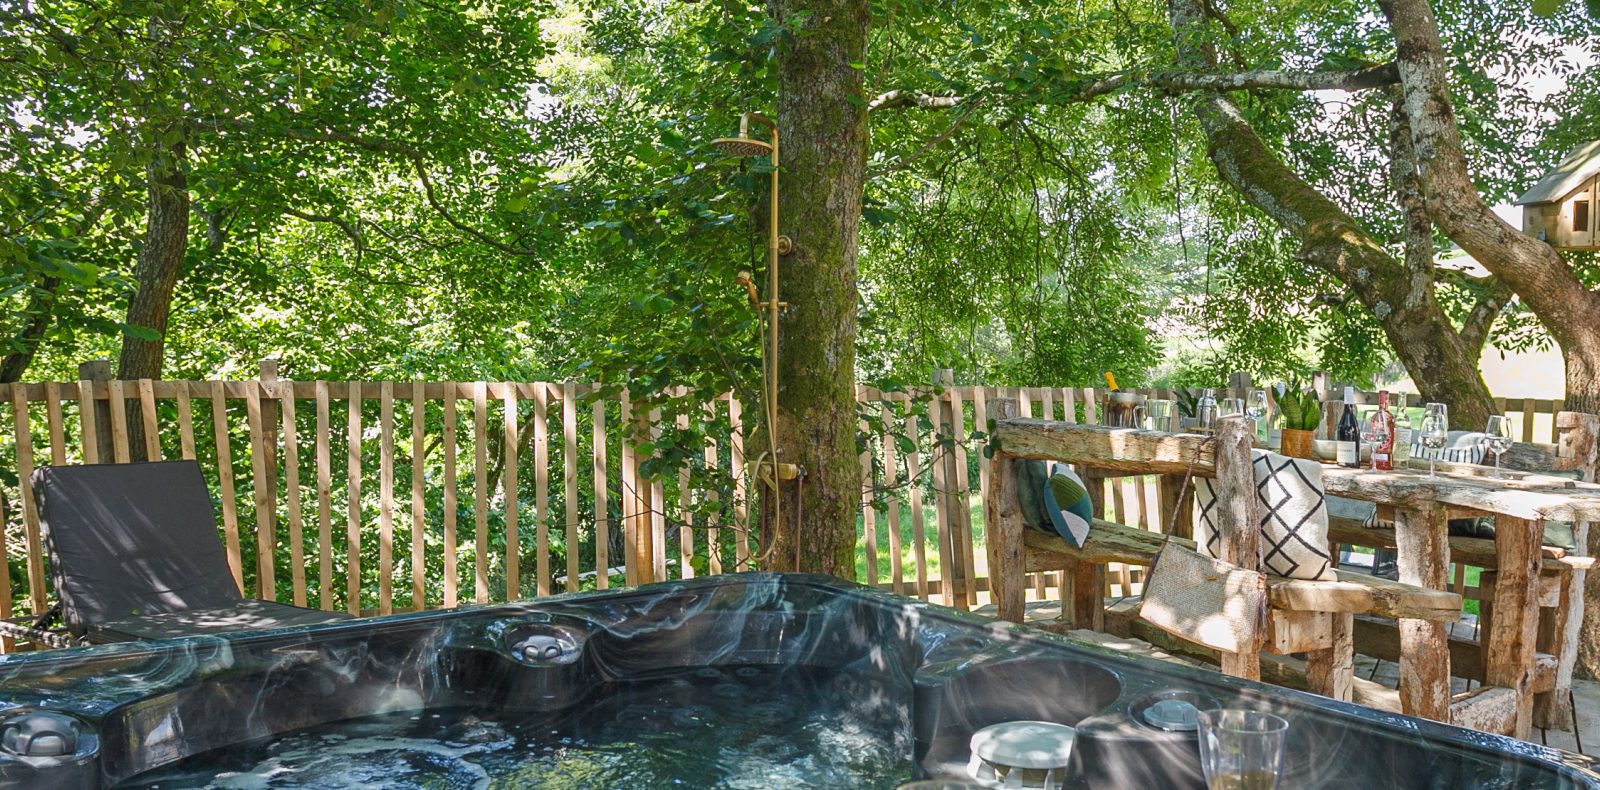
[742, 146]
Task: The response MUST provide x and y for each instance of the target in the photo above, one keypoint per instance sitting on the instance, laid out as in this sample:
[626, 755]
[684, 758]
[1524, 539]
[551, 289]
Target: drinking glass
[1241, 749]
[1232, 407]
[1257, 407]
[1374, 433]
[1158, 415]
[1435, 431]
[1497, 438]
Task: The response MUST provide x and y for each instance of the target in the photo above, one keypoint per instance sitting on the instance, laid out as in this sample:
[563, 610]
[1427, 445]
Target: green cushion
[1030, 493]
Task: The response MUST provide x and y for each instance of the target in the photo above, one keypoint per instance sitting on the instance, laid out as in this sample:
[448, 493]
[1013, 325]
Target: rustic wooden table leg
[1558, 635]
[1332, 672]
[1422, 536]
[1239, 520]
[1509, 650]
[1000, 510]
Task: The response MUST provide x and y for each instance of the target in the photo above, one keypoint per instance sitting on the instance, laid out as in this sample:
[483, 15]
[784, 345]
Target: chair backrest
[127, 540]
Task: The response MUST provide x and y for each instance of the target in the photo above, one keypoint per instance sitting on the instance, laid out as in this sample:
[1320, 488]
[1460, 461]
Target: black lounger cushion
[130, 540]
[244, 615]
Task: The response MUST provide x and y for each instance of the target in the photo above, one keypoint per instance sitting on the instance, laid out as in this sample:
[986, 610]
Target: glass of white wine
[1241, 749]
[1497, 439]
[1434, 432]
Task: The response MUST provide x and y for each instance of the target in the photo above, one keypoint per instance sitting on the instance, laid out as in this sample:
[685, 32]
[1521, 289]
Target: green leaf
[1546, 7]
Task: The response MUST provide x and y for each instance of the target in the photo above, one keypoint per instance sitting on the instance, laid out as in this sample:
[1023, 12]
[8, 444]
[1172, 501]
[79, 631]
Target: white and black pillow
[1294, 517]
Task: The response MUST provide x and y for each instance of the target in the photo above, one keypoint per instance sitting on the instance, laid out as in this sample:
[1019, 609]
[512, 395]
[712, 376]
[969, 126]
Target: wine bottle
[1347, 441]
[1402, 430]
[1383, 452]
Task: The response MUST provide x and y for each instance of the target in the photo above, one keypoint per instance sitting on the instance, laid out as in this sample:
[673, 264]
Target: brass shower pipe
[745, 146]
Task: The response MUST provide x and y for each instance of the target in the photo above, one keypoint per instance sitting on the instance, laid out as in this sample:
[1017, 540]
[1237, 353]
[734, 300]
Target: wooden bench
[1311, 617]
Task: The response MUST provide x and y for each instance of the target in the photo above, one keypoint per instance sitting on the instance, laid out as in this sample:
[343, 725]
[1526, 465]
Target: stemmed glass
[1434, 431]
[1256, 409]
[1257, 406]
[1374, 433]
[1497, 439]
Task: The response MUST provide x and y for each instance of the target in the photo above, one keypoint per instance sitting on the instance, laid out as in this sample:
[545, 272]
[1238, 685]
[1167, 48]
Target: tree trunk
[40, 312]
[1530, 267]
[1402, 299]
[823, 149]
[166, 237]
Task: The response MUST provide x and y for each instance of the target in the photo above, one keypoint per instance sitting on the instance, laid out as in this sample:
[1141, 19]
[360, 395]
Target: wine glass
[1497, 439]
[1435, 431]
[1232, 407]
[1374, 433]
[1257, 406]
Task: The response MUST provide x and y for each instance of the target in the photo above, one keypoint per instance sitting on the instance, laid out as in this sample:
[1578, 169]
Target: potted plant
[1302, 413]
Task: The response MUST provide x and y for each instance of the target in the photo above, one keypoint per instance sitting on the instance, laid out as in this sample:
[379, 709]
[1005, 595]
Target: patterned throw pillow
[1067, 503]
[1294, 517]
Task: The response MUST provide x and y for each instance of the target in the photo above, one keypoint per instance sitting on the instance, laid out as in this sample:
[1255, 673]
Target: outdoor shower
[745, 146]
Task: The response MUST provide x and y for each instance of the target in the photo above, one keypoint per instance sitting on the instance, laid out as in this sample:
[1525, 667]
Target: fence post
[1323, 387]
[269, 438]
[99, 370]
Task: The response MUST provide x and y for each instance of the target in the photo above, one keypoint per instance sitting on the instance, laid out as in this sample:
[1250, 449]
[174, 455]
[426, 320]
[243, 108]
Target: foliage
[1298, 404]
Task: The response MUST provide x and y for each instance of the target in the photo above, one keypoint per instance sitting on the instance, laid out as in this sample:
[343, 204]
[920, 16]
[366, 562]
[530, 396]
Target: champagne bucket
[1124, 409]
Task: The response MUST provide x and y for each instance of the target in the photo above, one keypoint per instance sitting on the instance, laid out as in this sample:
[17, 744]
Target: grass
[930, 541]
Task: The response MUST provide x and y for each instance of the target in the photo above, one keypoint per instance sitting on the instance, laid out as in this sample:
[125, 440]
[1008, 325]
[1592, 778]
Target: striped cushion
[1460, 447]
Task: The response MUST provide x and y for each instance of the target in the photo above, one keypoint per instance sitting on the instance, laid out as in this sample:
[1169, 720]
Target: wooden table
[1422, 506]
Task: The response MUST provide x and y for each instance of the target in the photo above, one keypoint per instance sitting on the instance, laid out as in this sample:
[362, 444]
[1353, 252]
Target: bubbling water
[740, 727]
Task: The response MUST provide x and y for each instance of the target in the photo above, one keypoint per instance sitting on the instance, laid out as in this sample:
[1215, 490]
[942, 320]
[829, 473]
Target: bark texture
[166, 238]
[1401, 297]
[823, 149]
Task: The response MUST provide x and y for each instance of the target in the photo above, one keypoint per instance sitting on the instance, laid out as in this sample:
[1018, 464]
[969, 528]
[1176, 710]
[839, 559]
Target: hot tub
[748, 680]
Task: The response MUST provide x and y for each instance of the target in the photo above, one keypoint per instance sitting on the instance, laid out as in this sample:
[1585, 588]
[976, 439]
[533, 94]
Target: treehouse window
[1580, 216]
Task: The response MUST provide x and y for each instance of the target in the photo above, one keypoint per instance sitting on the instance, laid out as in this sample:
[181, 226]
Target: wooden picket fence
[293, 466]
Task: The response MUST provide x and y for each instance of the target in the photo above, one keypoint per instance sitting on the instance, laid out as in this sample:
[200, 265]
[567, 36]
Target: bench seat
[1351, 592]
[1477, 552]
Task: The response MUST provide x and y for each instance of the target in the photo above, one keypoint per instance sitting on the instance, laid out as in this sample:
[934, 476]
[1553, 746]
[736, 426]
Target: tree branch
[338, 222]
[380, 146]
[1480, 319]
[1172, 81]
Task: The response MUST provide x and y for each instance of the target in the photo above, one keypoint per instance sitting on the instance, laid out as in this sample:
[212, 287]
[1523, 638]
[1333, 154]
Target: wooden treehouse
[1561, 207]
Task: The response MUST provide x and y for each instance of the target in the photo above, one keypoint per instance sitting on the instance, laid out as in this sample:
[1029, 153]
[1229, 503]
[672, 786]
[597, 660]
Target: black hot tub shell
[93, 717]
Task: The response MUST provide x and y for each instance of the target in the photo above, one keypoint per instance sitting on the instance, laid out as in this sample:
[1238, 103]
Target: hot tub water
[729, 727]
